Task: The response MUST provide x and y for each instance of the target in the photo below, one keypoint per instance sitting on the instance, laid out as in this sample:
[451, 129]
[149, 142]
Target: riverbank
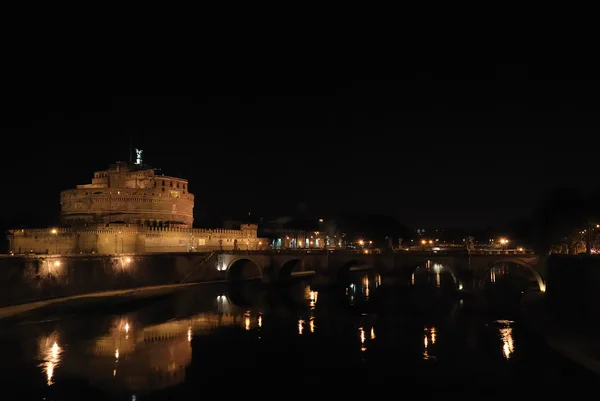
[575, 344]
[92, 299]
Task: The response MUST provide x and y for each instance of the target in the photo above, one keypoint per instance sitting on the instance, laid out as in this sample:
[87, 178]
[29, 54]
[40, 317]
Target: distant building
[130, 209]
[288, 233]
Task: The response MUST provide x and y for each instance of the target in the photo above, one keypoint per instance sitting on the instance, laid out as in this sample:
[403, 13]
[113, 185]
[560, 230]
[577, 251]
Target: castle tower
[132, 194]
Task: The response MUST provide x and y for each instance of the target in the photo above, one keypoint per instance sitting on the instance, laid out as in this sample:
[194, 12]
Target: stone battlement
[132, 238]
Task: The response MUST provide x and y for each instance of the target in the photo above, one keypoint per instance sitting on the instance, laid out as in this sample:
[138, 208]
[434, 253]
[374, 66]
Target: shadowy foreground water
[247, 340]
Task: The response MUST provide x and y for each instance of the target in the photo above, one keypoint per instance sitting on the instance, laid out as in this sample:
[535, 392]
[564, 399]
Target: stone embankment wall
[25, 279]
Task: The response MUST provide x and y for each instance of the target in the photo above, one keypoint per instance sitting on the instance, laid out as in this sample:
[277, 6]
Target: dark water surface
[246, 340]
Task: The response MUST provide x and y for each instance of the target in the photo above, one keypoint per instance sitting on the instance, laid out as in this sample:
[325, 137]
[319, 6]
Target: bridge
[469, 269]
[33, 278]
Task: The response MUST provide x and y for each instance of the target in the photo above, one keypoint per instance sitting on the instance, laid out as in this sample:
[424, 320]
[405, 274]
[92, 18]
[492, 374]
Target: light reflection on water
[50, 354]
[170, 344]
[506, 335]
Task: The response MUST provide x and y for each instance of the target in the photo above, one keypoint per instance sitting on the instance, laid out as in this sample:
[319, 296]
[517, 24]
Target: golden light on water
[311, 324]
[259, 320]
[508, 346]
[311, 295]
[50, 356]
[372, 333]
[247, 320]
[300, 326]
[429, 338]
[361, 333]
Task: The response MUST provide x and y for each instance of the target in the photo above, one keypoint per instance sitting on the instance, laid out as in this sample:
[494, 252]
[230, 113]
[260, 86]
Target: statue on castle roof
[138, 157]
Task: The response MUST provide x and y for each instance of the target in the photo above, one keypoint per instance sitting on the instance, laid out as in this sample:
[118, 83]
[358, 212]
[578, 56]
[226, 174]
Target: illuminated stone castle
[130, 209]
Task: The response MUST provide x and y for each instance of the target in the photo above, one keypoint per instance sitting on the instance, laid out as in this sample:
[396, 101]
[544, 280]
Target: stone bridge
[468, 269]
[32, 278]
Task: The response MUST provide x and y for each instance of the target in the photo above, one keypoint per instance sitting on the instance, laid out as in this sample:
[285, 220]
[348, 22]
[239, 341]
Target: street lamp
[54, 232]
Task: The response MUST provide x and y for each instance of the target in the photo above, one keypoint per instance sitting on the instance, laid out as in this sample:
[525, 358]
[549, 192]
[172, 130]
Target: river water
[363, 338]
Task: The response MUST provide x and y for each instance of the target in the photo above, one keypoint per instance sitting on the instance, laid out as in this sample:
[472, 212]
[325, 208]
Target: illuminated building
[130, 209]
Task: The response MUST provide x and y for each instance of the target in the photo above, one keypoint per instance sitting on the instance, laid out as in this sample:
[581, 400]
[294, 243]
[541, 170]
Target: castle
[130, 208]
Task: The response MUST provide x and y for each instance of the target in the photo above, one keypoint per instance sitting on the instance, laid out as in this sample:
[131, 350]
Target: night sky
[430, 151]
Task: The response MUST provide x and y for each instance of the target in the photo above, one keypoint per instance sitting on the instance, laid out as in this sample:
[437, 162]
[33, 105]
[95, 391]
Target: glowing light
[259, 320]
[50, 356]
[247, 320]
[508, 347]
[189, 334]
[300, 326]
[54, 231]
[126, 327]
[372, 333]
[361, 333]
[117, 354]
[313, 296]
[312, 324]
[56, 263]
[361, 242]
[412, 279]
[127, 260]
[429, 339]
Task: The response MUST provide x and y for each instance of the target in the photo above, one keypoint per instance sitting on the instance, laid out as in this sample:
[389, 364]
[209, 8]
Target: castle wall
[125, 238]
[105, 205]
[48, 240]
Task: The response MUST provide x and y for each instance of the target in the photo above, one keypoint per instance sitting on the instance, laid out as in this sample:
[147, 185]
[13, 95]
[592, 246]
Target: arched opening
[434, 275]
[243, 293]
[243, 269]
[346, 270]
[519, 273]
[505, 282]
[290, 268]
[433, 289]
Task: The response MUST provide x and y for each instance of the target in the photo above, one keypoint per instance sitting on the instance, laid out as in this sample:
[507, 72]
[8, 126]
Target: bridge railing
[472, 252]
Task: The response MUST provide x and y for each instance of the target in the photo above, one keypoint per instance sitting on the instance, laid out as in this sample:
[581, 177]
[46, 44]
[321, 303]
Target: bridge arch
[289, 268]
[343, 269]
[244, 268]
[531, 269]
[439, 268]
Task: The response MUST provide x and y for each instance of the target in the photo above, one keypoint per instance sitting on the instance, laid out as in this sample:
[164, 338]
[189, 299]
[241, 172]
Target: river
[364, 338]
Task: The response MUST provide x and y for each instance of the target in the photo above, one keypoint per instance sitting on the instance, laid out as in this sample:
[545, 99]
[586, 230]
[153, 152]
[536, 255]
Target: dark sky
[429, 150]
